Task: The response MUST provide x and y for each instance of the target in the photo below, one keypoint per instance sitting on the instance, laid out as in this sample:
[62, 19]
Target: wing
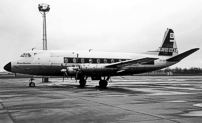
[130, 62]
[181, 56]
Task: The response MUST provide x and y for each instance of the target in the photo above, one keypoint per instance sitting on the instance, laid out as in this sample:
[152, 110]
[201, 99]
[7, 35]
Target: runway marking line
[153, 115]
[9, 114]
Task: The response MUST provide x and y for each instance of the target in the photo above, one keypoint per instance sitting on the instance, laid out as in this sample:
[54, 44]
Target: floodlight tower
[44, 9]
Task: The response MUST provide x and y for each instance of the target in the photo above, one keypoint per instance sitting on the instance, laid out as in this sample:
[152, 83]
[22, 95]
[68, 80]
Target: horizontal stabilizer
[130, 62]
[182, 55]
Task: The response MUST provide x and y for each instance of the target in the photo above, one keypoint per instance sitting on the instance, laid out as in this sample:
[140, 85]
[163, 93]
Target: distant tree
[167, 70]
[177, 70]
[185, 71]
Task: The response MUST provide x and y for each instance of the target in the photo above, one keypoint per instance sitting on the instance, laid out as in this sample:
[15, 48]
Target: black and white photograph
[101, 61]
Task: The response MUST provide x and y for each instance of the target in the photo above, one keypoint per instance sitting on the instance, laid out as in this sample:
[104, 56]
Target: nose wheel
[31, 84]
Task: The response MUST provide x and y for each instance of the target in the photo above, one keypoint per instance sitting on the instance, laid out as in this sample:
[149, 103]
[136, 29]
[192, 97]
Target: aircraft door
[44, 60]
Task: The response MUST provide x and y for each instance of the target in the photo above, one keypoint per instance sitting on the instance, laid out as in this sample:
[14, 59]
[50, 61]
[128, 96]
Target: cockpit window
[25, 55]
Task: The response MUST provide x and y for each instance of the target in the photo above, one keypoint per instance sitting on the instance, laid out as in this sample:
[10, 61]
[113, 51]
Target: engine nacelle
[97, 69]
[73, 70]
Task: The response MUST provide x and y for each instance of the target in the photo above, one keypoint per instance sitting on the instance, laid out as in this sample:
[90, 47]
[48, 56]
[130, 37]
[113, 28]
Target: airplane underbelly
[96, 69]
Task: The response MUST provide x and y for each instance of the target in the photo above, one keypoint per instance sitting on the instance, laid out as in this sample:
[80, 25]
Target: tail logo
[171, 35]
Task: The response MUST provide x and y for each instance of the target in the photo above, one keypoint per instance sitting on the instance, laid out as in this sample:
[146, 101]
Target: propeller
[77, 66]
[65, 70]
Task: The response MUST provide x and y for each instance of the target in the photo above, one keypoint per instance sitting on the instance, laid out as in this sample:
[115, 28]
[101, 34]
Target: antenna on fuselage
[90, 50]
[33, 48]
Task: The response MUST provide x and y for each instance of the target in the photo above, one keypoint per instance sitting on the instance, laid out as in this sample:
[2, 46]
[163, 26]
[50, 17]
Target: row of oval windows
[82, 60]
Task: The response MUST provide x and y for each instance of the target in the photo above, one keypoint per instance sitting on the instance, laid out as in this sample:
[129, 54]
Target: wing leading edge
[181, 56]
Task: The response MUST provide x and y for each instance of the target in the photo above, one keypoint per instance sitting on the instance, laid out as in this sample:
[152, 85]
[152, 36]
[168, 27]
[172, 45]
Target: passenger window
[82, 60]
[66, 60]
[105, 60]
[98, 60]
[90, 61]
[74, 60]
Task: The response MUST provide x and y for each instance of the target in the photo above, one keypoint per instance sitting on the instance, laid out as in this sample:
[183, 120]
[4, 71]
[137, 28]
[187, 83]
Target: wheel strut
[82, 82]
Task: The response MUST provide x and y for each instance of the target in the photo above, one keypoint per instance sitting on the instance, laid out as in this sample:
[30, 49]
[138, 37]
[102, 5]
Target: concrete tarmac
[137, 99]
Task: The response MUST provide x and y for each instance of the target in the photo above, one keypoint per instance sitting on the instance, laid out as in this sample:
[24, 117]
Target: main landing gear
[103, 83]
[31, 84]
[82, 81]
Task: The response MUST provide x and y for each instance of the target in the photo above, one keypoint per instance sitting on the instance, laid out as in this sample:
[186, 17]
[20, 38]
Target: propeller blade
[76, 75]
[77, 57]
[63, 77]
[77, 71]
[65, 74]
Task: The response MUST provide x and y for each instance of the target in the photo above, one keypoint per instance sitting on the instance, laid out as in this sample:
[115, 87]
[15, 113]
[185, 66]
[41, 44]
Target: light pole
[44, 9]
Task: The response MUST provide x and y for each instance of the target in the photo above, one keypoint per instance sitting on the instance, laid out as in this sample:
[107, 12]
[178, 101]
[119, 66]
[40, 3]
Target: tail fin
[169, 46]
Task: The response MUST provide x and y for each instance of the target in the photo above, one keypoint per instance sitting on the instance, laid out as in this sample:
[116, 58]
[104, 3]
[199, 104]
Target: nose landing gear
[31, 84]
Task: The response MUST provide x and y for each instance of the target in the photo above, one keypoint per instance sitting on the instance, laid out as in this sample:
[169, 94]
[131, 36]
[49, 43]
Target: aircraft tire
[31, 84]
[103, 83]
[82, 82]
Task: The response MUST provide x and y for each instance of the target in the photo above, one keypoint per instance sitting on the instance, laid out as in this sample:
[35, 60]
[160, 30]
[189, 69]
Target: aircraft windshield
[25, 55]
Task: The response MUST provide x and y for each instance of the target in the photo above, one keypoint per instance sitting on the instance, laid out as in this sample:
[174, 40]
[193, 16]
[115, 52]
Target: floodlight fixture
[43, 7]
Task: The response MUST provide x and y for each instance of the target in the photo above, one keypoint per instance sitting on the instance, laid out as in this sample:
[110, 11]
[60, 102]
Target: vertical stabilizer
[169, 46]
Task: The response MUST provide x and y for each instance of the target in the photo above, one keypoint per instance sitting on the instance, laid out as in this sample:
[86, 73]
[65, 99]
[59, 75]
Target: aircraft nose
[7, 67]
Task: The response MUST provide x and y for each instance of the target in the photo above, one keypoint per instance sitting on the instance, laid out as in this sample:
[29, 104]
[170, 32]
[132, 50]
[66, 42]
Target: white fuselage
[90, 63]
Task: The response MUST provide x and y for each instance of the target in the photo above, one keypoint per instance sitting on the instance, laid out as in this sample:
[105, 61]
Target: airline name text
[173, 50]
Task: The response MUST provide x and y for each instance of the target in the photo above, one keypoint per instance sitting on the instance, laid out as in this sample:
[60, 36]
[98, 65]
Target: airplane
[97, 65]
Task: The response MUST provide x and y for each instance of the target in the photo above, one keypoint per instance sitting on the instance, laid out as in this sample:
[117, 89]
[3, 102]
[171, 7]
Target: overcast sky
[101, 25]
